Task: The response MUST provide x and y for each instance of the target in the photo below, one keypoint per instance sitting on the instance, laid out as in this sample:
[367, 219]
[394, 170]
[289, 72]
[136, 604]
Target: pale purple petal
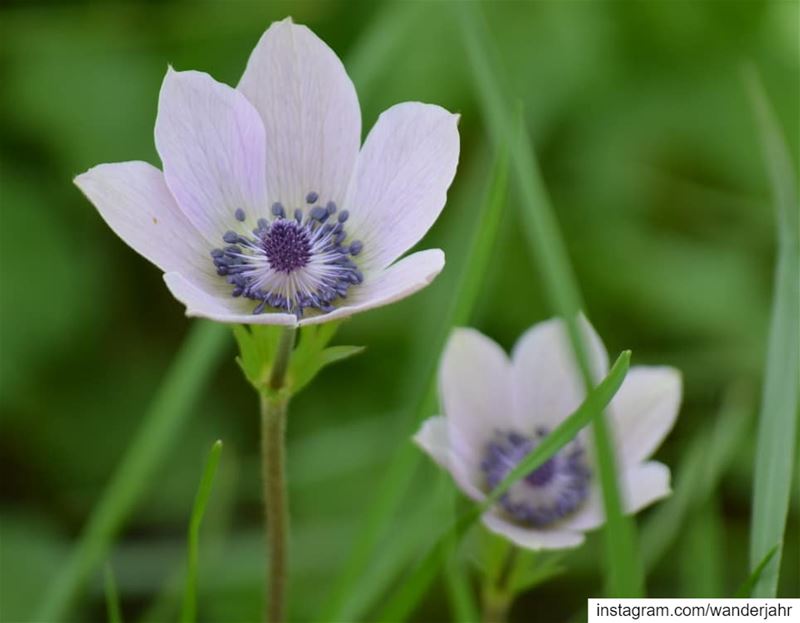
[643, 484]
[644, 410]
[434, 438]
[640, 484]
[134, 200]
[531, 538]
[475, 390]
[205, 301]
[400, 184]
[310, 113]
[211, 142]
[546, 382]
[400, 280]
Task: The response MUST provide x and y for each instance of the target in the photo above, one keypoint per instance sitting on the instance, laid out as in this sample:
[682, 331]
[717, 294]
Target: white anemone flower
[496, 410]
[268, 209]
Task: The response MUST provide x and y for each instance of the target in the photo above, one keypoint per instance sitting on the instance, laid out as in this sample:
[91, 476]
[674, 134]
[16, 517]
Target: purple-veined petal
[401, 179]
[212, 302]
[400, 280]
[134, 200]
[475, 390]
[211, 142]
[531, 538]
[310, 113]
[644, 410]
[547, 385]
[434, 438]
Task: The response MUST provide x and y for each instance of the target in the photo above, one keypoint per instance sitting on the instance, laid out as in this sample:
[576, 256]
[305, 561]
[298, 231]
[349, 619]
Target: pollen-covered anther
[291, 264]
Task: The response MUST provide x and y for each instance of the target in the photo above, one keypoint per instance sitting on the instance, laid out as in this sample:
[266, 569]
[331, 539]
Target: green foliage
[163, 421]
[189, 611]
[777, 429]
[313, 353]
[112, 596]
[259, 343]
[257, 346]
[746, 589]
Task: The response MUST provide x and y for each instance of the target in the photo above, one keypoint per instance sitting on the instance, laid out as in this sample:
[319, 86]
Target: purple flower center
[286, 246]
[547, 494]
[542, 474]
[291, 264]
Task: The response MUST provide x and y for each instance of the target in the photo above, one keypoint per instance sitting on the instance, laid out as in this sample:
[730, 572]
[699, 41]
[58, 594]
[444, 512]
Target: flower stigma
[291, 263]
[551, 492]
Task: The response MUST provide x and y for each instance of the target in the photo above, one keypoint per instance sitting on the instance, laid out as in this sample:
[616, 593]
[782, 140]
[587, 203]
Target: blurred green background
[648, 146]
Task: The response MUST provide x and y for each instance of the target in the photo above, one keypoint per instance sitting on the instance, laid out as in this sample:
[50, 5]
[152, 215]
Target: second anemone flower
[268, 210]
[497, 409]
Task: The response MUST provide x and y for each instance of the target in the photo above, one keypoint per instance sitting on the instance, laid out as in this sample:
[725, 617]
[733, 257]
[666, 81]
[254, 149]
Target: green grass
[623, 567]
[113, 609]
[158, 433]
[402, 602]
[777, 424]
[189, 611]
[746, 589]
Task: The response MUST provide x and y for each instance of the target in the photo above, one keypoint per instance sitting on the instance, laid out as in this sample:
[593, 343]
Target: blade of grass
[402, 466]
[462, 601]
[189, 611]
[701, 558]
[112, 597]
[166, 604]
[459, 591]
[775, 446]
[624, 569]
[182, 386]
[746, 589]
[408, 594]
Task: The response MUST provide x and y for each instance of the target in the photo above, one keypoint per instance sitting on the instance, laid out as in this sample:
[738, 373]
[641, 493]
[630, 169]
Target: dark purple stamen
[286, 246]
[547, 494]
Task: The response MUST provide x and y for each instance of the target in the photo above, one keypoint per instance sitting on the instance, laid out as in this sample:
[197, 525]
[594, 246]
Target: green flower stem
[498, 593]
[274, 403]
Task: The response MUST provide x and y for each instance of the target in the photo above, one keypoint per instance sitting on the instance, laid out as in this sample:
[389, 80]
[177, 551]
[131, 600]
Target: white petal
[641, 485]
[134, 200]
[474, 389]
[211, 141]
[207, 301]
[644, 410]
[310, 113]
[531, 538]
[546, 382]
[400, 280]
[400, 184]
[644, 484]
[434, 438]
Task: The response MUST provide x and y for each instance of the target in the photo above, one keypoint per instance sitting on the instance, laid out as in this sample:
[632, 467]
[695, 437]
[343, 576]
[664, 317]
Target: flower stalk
[274, 404]
[498, 594]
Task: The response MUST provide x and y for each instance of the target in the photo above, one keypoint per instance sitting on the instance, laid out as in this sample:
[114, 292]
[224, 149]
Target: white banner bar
[693, 610]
